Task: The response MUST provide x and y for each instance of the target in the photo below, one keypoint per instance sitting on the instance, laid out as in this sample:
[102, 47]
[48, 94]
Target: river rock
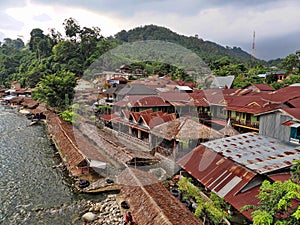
[89, 216]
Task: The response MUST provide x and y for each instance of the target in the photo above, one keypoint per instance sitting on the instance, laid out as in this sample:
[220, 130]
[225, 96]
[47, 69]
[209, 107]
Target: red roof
[263, 87]
[280, 177]
[294, 112]
[284, 94]
[220, 175]
[250, 104]
[110, 117]
[173, 96]
[295, 102]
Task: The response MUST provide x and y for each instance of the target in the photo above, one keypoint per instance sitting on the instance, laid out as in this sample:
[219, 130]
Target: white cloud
[46, 17]
[225, 22]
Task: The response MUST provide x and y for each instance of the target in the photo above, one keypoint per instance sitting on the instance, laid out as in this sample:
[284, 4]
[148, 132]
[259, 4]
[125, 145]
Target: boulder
[89, 217]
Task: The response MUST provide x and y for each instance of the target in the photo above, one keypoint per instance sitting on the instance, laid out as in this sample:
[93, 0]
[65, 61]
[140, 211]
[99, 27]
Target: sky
[225, 22]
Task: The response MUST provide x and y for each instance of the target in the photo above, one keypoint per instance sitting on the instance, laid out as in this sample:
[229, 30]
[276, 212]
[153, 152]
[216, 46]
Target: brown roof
[112, 147]
[228, 130]
[109, 117]
[29, 103]
[61, 132]
[185, 128]
[284, 94]
[250, 103]
[40, 109]
[17, 100]
[151, 203]
[175, 96]
[156, 118]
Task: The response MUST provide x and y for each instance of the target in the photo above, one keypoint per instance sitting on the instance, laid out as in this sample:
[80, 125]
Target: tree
[67, 54]
[295, 171]
[40, 43]
[213, 210]
[279, 204]
[72, 28]
[291, 62]
[57, 90]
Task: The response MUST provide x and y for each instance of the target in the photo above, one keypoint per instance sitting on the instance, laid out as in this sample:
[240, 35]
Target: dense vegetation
[47, 58]
[278, 201]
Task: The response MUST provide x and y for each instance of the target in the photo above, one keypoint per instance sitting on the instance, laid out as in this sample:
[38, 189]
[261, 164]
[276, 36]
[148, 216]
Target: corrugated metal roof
[221, 175]
[256, 152]
[294, 112]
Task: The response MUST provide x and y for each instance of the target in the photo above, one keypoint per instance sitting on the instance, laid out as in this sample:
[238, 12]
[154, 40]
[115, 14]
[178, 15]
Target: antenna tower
[253, 49]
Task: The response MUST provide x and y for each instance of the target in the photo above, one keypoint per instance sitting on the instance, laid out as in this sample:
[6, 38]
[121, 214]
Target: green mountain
[207, 50]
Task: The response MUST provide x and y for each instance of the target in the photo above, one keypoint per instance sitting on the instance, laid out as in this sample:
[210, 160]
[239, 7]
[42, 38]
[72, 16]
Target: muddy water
[31, 191]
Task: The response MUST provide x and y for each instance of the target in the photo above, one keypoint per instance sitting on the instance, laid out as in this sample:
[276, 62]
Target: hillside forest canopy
[54, 55]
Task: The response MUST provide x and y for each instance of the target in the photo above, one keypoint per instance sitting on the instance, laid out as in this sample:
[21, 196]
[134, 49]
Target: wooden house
[177, 137]
[283, 124]
[136, 126]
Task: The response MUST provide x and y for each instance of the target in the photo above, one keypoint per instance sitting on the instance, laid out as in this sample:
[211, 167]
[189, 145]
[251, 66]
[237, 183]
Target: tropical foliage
[278, 205]
[46, 56]
[57, 90]
[209, 211]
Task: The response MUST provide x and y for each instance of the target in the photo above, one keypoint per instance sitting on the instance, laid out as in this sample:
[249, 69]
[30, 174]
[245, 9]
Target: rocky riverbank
[106, 212]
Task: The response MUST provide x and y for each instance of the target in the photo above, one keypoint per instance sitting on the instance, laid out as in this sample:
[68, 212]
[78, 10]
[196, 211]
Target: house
[222, 82]
[136, 126]
[180, 136]
[137, 103]
[282, 124]
[235, 167]
[181, 102]
[244, 111]
[279, 74]
[133, 89]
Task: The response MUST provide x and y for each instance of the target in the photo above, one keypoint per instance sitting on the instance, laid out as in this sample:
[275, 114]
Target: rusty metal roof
[217, 173]
[220, 175]
[259, 153]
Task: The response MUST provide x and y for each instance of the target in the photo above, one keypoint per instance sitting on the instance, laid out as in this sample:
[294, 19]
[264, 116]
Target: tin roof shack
[283, 124]
[151, 203]
[234, 167]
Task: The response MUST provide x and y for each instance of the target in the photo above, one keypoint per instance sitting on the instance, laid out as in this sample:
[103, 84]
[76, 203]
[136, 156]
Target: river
[31, 191]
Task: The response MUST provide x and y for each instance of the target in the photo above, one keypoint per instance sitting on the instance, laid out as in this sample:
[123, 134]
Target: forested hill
[207, 50]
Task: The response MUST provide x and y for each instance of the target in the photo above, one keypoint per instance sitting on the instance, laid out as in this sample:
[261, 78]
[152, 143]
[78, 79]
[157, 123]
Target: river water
[31, 191]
